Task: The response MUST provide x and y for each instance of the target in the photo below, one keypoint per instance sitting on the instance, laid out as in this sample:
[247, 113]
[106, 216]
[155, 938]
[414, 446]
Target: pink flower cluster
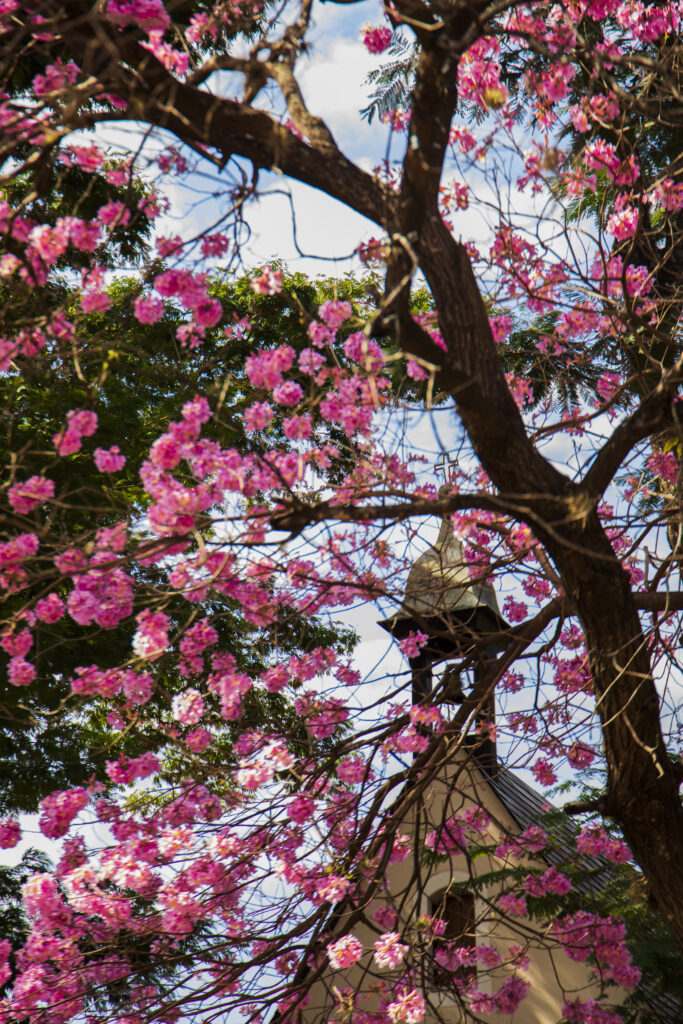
[109, 460]
[376, 39]
[344, 952]
[409, 1008]
[151, 637]
[389, 951]
[135, 686]
[583, 934]
[103, 596]
[352, 770]
[30, 494]
[80, 423]
[301, 808]
[149, 15]
[191, 290]
[188, 707]
[510, 903]
[50, 608]
[413, 643]
[506, 1000]
[20, 672]
[126, 770]
[268, 282]
[665, 465]
[594, 842]
[590, 1011]
[59, 809]
[551, 882]
[12, 554]
[195, 641]
[10, 833]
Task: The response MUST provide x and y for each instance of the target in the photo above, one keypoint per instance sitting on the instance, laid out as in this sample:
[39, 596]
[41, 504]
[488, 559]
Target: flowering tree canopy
[203, 469]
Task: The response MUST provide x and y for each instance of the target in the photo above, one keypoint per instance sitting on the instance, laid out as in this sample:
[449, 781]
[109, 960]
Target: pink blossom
[511, 904]
[208, 312]
[554, 84]
[319, 334]
[451, 837]
[265, 369]
[297, 428]
[389, 952]
[150, 15]
[352, 770]
[57, 77]
[30, 494]
[511, 993]
[20, 672]
[80, 423]
[126, 770]
[288, 393]
[16, 643]
[512, 682]
[593, 841]
[310, 361]
[50, 608]
[664, 465]
[198, 740]
[669, 194]
[334, 312]
[68, 441]
[214, 245]
[109, 460]
[10, 833]
[544, 772]
[114, 214]
[269, 282]
[551, 881]
[148, 309]
[332, 888]
[365, 351]
[92, 301]
[345, 952]
[188, 707]
[59, 809]
[276, 678]
[409, 1008]
[608, 385]
[412, 644]
[590, 1011]
[151, 637]
[253, 773]
[624, 221]
[104, 597]
[376, 39]
[175, 61]
[258, 416]
[415, 371]
[301, 808]
[514, 611]
[580, 756]
[579, 119]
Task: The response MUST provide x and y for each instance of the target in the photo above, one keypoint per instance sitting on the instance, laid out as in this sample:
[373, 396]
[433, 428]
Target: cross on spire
[446, 464]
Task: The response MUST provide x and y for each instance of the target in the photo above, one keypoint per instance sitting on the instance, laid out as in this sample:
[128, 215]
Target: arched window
[456, 908]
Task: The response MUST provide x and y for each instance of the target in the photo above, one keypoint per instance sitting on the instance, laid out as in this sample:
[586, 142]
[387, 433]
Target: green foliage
[392, 82]
[137, 378]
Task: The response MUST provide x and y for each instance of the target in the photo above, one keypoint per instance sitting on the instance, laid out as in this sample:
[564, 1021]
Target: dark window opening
[454, 952]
